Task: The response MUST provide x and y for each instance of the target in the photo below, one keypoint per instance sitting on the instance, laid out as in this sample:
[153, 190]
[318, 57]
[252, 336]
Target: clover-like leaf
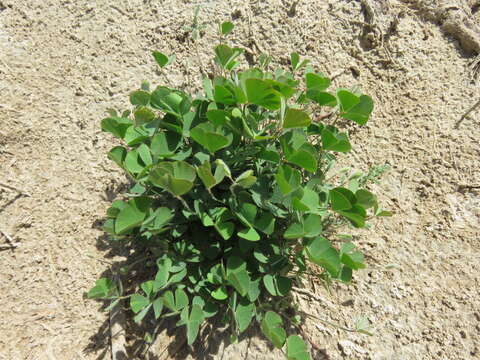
[322, 98]
[177, 177]
[118, 154]
[143, 115]
[140, 97]
[295, 61]
[167, 100]
[193, 324]
[295, 118]
[244, 314]
[353, 107]
[205, 135]
[246, 179]
[365, 198]
[226, 28]
[116, 126]
[277, 285]
[240, 280]
[162, 59]
[271, 327]
[342, 199]
[288, 179]
[304, 157]
[237, 275]
[249, 234]
[361, 111]
[157, 307]
[103, 288]
[218, 117]
[296, 348]
[308, 202]
[132, 215]
[145, 154]
[138, 302]
[220, 293]
[321, 252]
[261, 93]
[335, 141]
[356, 215]
[165, 143]
[316, 82]
[225, 56]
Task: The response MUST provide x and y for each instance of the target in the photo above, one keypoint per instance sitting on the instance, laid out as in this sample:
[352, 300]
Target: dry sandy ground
[64, 62]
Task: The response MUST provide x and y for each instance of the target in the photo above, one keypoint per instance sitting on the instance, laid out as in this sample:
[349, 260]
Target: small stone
[349, 348]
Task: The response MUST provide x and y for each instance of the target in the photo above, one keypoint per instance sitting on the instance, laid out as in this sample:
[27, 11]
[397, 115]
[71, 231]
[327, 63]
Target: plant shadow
[167, 341]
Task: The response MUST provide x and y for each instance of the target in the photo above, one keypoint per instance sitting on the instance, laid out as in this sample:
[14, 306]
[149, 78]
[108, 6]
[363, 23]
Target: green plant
[233, 198]
[196, 28]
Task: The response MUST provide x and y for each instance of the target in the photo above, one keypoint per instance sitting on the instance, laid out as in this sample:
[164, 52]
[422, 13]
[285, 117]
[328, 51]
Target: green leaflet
[246, 179]
[206, 136]
[288, 179]
[168, 100]
[296, 63]
[321, 252]
[309, 226]
[143, 115]
[335, 141]
[132, 215]
[177, 177]
[261, 93]
[204, 172]
[104, 288]
[116, 126]
[271, 327]
[165, 143]
[138, 302]
[244, 314]
[118, 154]
[342, 199]
[237, 275]
[355, 108]
[296, 119]
[277, 285]
[225, 56]
[177, 301]
[297, 349]
[226, 28]
[162, 59]
[140, 97]
[316, 82]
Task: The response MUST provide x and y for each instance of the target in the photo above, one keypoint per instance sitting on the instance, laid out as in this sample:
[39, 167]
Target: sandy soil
[64, 62]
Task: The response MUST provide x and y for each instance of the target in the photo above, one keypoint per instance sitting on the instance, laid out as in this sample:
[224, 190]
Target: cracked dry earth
[64, 62]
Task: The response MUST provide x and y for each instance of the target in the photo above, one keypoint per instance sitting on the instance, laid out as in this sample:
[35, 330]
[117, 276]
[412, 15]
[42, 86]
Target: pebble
[349, 348]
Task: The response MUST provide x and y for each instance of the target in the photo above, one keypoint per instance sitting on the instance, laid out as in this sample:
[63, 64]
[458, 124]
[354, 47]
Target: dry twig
[9, 245]
[24, 193]
[8, 237]
[469, 111]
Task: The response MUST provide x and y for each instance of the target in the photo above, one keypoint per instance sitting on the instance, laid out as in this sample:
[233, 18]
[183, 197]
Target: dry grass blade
[11, 244]
[24, 193]
[468, 112]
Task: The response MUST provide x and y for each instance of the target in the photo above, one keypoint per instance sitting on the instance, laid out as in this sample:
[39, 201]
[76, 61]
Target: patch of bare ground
[62, 63]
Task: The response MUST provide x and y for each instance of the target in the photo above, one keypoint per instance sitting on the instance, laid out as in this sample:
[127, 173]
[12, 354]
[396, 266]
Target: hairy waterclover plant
[231, 196]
